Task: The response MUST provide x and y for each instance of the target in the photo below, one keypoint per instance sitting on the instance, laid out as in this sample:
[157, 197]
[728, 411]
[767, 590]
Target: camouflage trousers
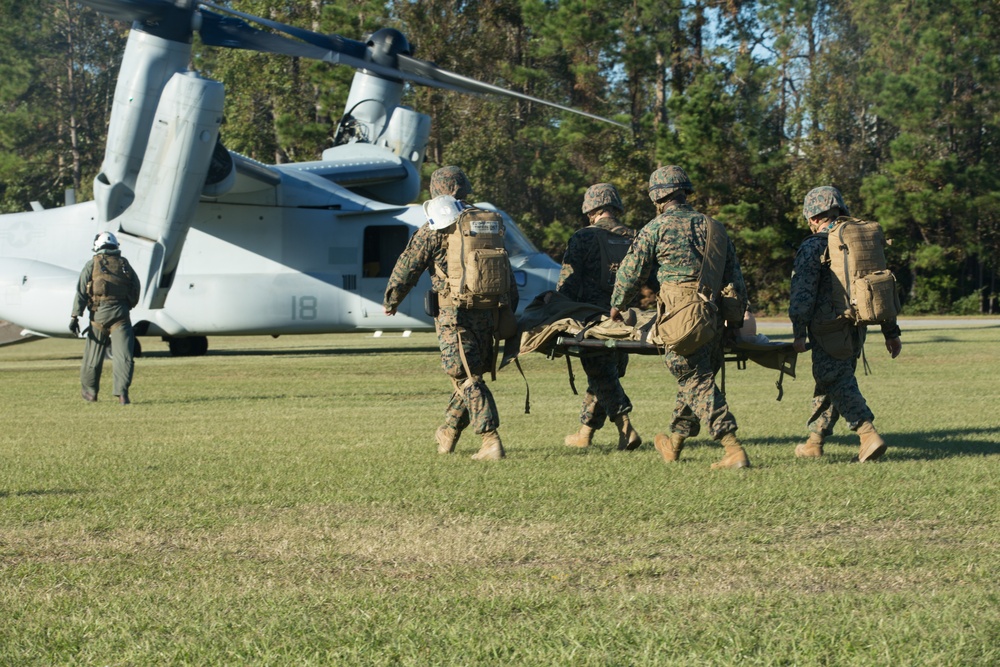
[698, 398]
[121, 340]
[471, 402]
[836, 393]
[605, 397]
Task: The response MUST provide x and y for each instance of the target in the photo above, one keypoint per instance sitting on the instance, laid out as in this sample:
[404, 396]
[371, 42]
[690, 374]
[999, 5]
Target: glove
[74, 326]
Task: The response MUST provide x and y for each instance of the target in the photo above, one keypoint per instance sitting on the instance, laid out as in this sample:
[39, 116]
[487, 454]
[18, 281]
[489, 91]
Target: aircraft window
[515, 241]
[383, 246]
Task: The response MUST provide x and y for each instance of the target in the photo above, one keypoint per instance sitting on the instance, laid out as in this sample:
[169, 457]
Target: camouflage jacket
[426, 251]
[580, 276]
[811, 298]
[675, 241]
[108, 311]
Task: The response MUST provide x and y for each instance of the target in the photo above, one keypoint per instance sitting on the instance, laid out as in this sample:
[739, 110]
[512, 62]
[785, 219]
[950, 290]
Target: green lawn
[282, 502]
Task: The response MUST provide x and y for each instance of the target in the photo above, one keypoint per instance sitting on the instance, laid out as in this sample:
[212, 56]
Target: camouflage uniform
[836, 392]
[580, 280]
[472, 402]
[110, 325]
[675, 241]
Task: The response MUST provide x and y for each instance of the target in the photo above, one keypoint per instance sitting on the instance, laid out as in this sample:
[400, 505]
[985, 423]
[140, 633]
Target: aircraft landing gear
[188, 346]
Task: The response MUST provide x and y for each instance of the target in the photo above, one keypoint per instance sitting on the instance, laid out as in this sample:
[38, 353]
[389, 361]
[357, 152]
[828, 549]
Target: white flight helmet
[105, 240]
[442, 211]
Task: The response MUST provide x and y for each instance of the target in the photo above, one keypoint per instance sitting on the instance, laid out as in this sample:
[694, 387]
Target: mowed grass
[282, 502]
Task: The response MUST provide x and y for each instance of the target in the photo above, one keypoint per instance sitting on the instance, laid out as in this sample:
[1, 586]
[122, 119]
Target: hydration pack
[478, 267]
[614, 245]
[864, 289]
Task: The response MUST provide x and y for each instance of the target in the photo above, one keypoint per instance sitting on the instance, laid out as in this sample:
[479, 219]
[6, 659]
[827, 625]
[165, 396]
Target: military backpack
[864, 289]
[478, 268]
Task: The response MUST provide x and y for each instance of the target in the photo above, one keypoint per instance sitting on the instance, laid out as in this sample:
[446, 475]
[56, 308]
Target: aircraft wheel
[189, 346]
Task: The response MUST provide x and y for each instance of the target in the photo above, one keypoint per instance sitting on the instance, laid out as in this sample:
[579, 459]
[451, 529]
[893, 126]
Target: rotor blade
[135, 10]
[217, 30]
[336, 43]
[445, 79]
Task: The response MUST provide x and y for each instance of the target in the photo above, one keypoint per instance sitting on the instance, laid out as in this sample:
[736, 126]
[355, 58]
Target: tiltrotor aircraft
[226, 245]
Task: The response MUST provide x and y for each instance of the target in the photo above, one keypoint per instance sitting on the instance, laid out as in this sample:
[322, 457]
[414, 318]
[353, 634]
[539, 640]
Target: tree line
[895, 102]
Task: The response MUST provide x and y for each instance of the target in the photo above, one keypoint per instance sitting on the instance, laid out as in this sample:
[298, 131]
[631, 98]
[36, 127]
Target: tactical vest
[478, 268]
[864, 290]
[614, 245]
[110, 279]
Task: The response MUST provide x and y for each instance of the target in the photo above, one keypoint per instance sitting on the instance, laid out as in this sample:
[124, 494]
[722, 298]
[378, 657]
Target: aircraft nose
[36, 295]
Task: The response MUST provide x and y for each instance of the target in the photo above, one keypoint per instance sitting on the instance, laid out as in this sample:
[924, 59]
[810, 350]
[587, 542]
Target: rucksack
[864, 289]
[614, 245]
[478, 268]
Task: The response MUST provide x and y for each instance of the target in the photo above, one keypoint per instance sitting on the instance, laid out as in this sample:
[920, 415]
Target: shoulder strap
[713, 261]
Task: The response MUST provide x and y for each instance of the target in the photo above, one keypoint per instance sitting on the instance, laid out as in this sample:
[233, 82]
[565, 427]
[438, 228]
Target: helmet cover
[822, 199]
[600, 195]
[667, 180]
[450, 181]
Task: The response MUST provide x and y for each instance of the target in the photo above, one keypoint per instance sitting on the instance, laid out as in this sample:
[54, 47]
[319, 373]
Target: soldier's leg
[91, 365]
[698, 398]
[835, 378]
[697, 389]
[456, 415]
[476, 344]
[122, 359]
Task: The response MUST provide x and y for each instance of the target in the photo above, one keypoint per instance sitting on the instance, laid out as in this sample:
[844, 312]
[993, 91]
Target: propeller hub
[385, 44]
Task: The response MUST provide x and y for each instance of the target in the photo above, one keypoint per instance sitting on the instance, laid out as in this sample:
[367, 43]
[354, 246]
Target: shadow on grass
[925, 445]
[40, 492]
[919, 446]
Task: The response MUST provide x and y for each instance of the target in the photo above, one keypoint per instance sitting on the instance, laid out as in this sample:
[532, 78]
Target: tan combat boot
[670, 446]
[492, 449]
[581, 438]
[872, 444]
[812, 448]
[447, 438]
[734, 457]
[628, 437]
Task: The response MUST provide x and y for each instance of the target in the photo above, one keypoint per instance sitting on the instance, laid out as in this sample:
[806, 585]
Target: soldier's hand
[74, 326]
[616, 315]
[799, 345]
[390, 311]
[894, 345]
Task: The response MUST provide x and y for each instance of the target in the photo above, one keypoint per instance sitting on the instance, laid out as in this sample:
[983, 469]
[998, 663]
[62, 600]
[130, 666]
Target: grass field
[281, 502]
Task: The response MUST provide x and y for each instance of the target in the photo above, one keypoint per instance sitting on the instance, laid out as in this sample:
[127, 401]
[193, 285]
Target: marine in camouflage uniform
[582, 278]
[110, 323]
[836, 342]
[675, 241]
[459, 330]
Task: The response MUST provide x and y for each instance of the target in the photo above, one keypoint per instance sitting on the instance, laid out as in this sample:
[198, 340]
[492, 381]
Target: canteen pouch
[875, 298]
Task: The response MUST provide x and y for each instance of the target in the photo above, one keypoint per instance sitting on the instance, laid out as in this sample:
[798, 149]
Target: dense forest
[896, 102]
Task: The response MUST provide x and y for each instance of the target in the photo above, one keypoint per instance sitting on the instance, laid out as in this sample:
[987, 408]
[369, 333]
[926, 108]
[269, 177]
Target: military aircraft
[226, 245]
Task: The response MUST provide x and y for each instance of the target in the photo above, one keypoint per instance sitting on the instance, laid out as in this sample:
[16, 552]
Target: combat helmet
[450, 181]
[600, 195]
[105, 241]
[822, 199]
[667, 180]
